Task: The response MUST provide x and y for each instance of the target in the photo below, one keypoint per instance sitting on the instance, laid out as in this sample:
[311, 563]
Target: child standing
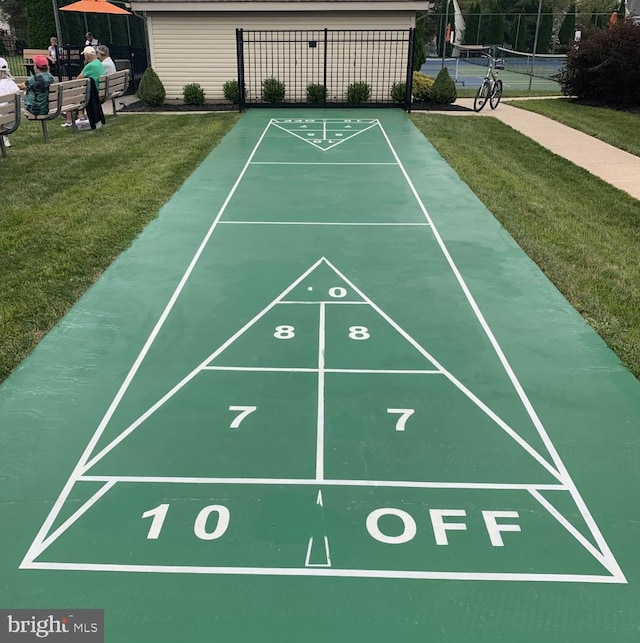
[7, 86]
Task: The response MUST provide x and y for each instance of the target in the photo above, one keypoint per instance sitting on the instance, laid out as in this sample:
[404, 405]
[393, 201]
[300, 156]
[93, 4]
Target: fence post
[409, 80]
[240, 61]
[324, 73]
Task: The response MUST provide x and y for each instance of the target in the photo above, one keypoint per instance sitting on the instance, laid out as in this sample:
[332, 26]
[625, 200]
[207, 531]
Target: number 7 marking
[244, 411]
[405, 414]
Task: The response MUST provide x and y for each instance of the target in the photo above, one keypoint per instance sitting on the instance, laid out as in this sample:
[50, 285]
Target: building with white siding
[194, 41]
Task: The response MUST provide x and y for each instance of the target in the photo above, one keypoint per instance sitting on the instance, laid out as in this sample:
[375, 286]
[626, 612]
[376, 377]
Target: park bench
[113, 86]
[9, 117]
[68, 96]
[28, 55]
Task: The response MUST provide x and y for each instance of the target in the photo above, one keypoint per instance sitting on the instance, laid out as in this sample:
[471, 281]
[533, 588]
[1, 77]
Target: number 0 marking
[244, 411]
[159, 514]
[337, 292]
[200, 527]
[405, 414]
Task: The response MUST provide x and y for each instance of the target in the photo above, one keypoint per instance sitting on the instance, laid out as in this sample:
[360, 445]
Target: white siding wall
[201, 47]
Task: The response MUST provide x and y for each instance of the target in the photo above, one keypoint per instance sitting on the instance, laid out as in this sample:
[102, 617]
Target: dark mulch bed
[139, 106]
[179, 107]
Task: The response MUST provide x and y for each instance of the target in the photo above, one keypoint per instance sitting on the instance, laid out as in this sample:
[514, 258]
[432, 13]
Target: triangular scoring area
[295, 337]
[324, 133]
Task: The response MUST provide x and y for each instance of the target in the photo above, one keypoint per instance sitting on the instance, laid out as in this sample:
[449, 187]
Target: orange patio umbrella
[95, 6]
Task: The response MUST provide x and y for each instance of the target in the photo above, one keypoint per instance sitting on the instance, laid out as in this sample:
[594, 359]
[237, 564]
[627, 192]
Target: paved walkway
[605, 161]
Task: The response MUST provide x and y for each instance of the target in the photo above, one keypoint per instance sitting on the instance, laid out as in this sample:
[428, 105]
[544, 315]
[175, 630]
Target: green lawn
[621, 129]
[70, 207]
[583, 233]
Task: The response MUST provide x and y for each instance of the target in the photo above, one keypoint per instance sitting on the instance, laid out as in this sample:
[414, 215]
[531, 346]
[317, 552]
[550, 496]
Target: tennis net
[542, 65]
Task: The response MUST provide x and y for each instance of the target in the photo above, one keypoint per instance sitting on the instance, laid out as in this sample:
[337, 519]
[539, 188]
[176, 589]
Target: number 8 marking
[359, 332]
[284, 332]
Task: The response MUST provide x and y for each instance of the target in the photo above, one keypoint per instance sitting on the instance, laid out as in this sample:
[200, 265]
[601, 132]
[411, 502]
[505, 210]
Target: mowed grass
[618, 128]
[67, 209]
[583, 233]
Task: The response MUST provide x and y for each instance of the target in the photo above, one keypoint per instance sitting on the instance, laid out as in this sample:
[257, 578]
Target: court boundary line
[42, 540]
[319, 571]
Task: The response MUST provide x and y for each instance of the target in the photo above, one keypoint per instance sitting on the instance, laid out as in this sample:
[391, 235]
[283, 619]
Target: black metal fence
[124, 57]
[325, 67]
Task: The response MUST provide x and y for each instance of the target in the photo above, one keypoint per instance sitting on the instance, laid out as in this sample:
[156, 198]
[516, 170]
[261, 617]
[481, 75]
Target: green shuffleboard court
[324, 397]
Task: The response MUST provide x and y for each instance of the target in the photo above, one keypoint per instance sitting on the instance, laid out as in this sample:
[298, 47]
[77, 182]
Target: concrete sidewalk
[605, 161]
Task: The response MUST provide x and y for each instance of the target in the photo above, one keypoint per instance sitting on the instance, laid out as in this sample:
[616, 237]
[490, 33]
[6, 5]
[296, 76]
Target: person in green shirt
[36, 99]
[93, 69]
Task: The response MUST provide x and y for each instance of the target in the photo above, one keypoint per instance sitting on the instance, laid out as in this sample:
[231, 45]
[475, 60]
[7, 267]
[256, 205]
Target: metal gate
[325, 67]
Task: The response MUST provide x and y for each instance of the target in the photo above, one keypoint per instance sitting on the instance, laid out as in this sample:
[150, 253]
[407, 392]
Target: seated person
[92, 69]
[105, 59]
[7, 86]
[36, 99]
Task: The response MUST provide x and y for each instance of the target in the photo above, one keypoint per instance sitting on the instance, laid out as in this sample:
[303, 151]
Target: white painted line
[320, 422]
[332, 302]
[75, 516]
[319, 571]
[321, 163]
[259, 369]
[81, 464]
[570, 528]
[319, 498]
[327, 223]
[307, 560]
[269, 369]
[477, 401]
[402, 484]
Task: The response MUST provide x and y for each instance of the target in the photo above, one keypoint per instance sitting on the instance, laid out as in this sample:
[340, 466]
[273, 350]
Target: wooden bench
[68, 96]
[9, 117]
[28, 55]
[113, 86]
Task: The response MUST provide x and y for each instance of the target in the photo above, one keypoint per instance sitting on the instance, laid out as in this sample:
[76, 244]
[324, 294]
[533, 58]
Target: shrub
[151, 90]
[444, 88]
[422, 85]
[358, 93]
[398, 92]
[193, 94]
[316, 93]
[272, 90]
[231, 91]
[603, 67]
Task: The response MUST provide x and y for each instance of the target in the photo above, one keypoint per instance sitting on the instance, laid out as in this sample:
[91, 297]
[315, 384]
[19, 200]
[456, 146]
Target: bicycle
[491, 88]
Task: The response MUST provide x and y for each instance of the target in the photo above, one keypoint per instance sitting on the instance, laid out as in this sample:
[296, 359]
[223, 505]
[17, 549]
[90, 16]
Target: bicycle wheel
[496, 94]
[482, 96]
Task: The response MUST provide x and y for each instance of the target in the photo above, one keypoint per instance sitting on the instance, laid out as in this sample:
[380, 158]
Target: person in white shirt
[105, 59]
[7, 86]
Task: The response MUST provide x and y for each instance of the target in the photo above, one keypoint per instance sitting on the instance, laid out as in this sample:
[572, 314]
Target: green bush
[316, 93]
[422, 85]
[231, 91]
[272, 90]
[193, 94]
[358, 93]
[603, 67]
[398, 92]
[151, 90]
[444, 91]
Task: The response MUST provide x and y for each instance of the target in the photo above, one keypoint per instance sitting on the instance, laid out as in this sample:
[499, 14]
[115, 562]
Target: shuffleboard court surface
[324, 397]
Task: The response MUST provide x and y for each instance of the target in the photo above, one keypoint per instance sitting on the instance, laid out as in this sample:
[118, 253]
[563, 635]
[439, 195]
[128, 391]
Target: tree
[16, 13]
[419, 53]
[568, 26]
[473, 24]
[546, 29]
[41, 23]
